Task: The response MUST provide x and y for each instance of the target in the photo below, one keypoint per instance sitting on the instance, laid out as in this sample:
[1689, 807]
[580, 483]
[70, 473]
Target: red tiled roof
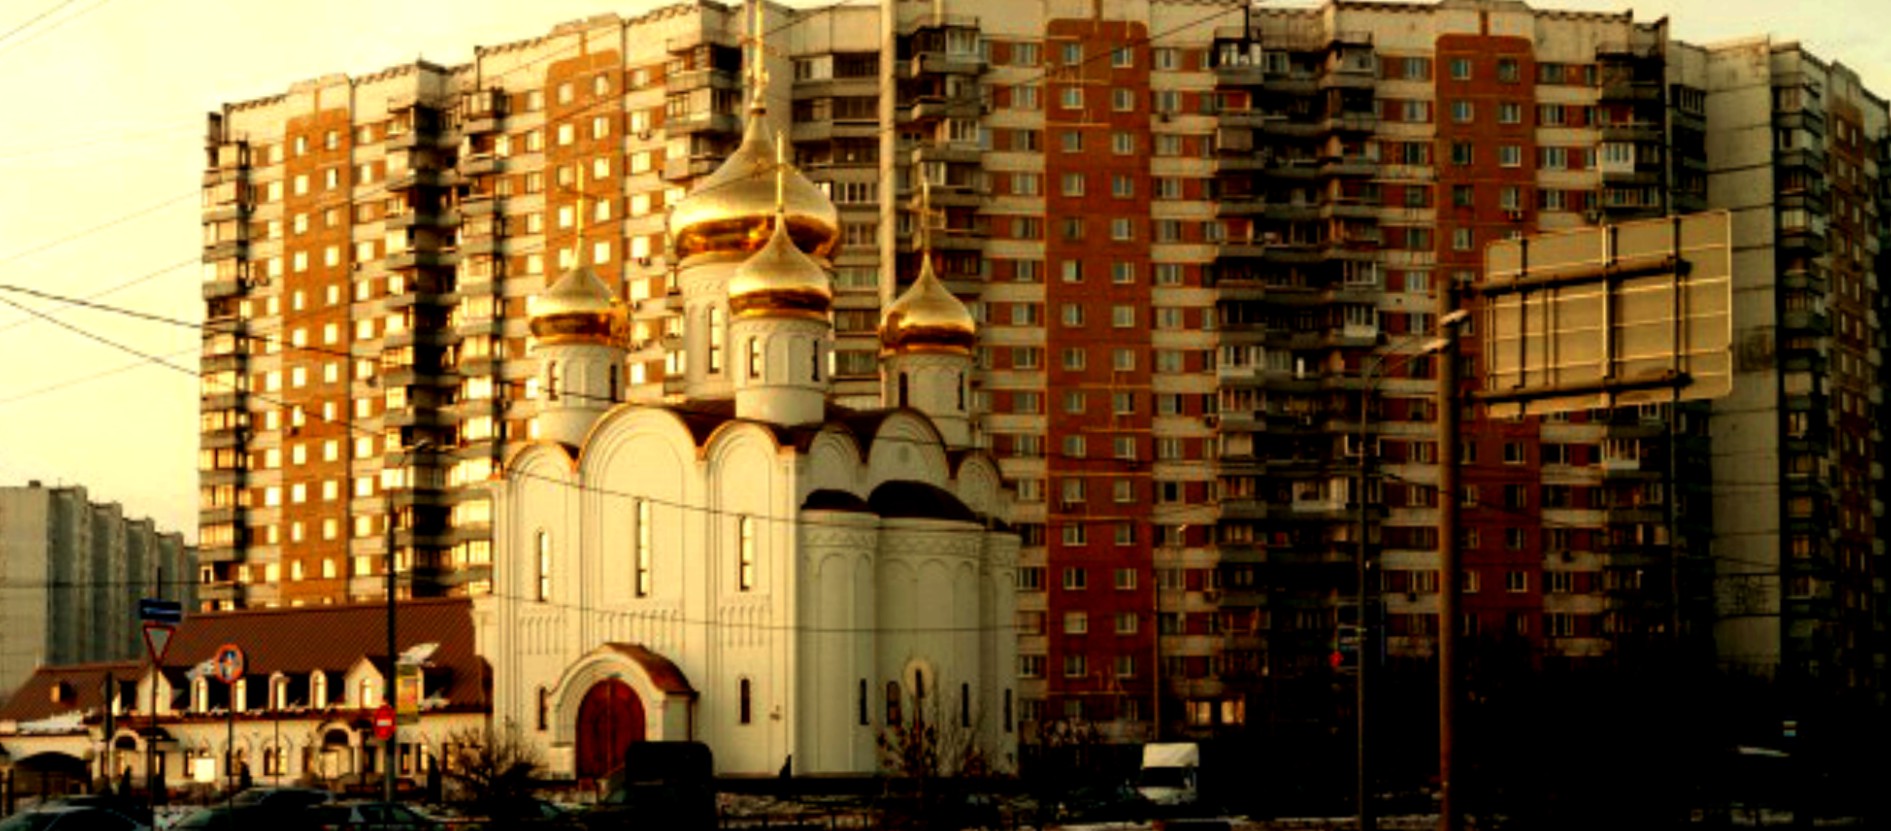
[293, 641]
[664, 674]
[82, 690]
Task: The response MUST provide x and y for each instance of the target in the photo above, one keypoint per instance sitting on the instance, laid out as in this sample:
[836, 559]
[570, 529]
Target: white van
[1169, 773]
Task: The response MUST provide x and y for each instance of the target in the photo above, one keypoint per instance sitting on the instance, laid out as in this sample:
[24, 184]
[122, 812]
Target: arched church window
[1007, 711]
[318, 689]
[965, 705]
[544, 566]
[367, 697]
[544, 709]
[814, 358]
[903, 389]
[200, 695]
[551, 380]
[614, 383]
[641, 581]
[755, 358]
[961, 392]
[746, 711]
[715, 339]
[745, 554]
[893, 703]
[862, 702]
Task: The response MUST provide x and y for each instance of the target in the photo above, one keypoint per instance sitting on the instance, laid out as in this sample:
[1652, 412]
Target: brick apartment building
[1196, 233]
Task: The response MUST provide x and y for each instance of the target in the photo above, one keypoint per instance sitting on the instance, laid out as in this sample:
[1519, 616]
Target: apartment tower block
[1198, 236]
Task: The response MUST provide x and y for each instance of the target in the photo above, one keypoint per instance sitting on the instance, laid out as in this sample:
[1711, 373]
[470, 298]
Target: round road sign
[230, 663]
[384, 722]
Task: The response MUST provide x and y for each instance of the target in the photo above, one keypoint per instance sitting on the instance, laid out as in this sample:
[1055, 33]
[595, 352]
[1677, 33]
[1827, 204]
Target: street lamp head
[1454, 319]
[1434, 345]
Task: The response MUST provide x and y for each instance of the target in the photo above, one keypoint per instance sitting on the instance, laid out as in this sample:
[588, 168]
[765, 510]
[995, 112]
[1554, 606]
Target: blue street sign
[153, 610]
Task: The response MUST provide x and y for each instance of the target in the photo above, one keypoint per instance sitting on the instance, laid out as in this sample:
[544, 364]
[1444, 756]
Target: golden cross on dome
[758, 54]
[923, 207]
[577, 256]
[781, 171]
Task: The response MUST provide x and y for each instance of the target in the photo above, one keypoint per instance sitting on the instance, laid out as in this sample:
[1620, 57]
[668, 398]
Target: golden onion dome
[732, 210]
[578, 308]
[928, 318]
[780, 280]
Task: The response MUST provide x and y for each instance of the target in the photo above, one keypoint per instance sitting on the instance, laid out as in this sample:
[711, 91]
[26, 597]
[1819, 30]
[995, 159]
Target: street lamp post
[1371, 373]
[393, 653]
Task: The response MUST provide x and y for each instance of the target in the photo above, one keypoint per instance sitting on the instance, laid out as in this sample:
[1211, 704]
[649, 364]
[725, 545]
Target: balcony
[411, 179]
[935, 108]
[705, 122]
[481, 164]
[695, 79]
[1240, 75]
[1631, 90]
[945, 63]
[1636, 131]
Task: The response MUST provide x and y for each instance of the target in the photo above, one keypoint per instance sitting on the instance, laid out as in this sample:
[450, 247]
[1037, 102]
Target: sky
[101, 155]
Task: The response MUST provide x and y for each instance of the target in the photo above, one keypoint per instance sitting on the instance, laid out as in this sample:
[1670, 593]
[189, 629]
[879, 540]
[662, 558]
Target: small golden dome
[780, 280]
[927, 317]
[578, 308]
[733, 209]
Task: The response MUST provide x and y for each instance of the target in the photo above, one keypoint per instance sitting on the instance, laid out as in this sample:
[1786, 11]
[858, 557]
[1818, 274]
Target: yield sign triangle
[157, 640]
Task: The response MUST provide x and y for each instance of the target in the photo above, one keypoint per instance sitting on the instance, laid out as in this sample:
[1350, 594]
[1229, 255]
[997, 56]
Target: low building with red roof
[301, 712]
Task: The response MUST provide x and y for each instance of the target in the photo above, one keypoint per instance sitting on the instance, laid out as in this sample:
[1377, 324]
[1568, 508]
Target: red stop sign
[384, 722]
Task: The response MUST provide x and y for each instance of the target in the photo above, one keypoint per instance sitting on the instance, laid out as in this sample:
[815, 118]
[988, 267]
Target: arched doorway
[609, 719]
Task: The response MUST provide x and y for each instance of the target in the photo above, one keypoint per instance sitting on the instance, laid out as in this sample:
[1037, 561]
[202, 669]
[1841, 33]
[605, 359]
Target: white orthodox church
[753, 567]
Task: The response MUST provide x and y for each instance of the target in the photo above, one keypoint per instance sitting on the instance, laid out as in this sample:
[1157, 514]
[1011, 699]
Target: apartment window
[1076, 665]
[1122, 229]
[1507, 70]
[1076, 623]
[1070, 97]
[1509, 112]
[1549, 115]
[1072, 54]
[1123, 317]
[1461, 153]
[1123, 273]
[1462, 112]
[1075, 578]
[1122, 186]
[1126, 581]
[1460, 69]
[1074, 360]
[1024, 54]
[1510, 155]
[1461, 239]
[1072, 314]
[1071, 140]
[1122, 100]
[1516, 582]
[1165, 58]
[1463, 196]
[1073, 184]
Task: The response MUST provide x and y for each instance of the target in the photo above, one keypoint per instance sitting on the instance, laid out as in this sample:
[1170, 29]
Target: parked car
[283, 797]
[529, 812]
[72, 818]
[365, 816]
[137, 809]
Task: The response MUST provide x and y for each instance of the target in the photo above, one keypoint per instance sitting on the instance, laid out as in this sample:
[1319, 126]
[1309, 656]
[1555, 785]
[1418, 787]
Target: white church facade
[751, 565]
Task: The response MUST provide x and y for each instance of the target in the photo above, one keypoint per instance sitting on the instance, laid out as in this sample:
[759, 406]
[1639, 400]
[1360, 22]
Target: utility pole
[1450, 583]
[1362, 627]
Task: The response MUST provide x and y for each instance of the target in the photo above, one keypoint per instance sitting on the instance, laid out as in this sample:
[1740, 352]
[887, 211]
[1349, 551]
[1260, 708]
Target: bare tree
[493, 763]
[932, 760]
